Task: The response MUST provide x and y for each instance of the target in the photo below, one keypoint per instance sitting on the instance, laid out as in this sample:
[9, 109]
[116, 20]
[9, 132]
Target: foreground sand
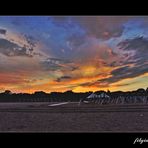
[72, 122]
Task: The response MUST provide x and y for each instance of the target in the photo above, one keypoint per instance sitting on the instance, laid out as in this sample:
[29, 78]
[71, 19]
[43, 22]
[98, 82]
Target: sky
[78, 53]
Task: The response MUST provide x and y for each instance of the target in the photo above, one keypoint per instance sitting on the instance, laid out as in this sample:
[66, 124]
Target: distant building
[98, 98]
[101, 95]
[107, 98]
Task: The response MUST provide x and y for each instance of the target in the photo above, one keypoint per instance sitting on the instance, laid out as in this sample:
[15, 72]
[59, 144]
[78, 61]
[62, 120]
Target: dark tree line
[41, 96]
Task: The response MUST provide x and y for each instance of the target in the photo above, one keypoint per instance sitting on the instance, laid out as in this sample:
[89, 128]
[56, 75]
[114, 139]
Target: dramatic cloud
[82, 53]
[138, 60]
[9, 48]
[138, 46]
[3, 31]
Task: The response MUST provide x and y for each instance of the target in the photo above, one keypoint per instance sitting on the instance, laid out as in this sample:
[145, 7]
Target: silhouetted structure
[99, 97]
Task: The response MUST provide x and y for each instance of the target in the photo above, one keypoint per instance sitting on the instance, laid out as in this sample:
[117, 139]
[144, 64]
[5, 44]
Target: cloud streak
[63, 78]
[53, 64]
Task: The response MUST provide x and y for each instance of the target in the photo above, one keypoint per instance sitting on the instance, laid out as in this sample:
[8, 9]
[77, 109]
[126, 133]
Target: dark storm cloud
[3, 31]
[9, 48]
[63, 78]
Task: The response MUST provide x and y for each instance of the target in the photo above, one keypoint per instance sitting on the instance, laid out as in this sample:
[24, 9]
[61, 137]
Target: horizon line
[70, 90]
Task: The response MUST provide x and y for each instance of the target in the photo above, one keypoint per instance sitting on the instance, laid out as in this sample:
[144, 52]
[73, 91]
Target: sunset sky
[79, 53]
